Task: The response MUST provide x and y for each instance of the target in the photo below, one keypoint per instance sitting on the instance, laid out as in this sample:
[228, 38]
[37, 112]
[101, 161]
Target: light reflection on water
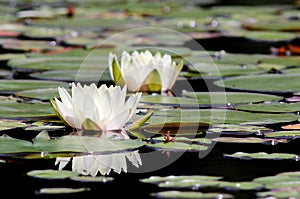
[105, 163]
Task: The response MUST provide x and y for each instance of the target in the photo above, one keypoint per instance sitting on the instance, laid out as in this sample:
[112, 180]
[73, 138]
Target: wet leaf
[61, 190]
[51, 174]
[263, 155]
[190, 194]
[229, 97]
[271, 83]
[97, 179]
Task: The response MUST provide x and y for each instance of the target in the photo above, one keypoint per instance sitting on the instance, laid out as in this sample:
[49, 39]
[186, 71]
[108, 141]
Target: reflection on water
[105, 163]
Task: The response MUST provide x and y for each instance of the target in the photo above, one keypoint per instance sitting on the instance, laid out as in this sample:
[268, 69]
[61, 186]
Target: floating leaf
[289, 134]
[190, 194]
[249, 140]
[51, 174]
[11, 86]
[177, 146]
[270, 107]
[61, 190]
[271, 83]
[158, 179]
[11, 124]
[263, 155]
[230, 97]
[97, 179]
[238, 129]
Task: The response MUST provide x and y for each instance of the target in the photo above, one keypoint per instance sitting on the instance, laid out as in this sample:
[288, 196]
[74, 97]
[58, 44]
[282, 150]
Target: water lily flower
[93, 164]
[141, 71]
[92, 108]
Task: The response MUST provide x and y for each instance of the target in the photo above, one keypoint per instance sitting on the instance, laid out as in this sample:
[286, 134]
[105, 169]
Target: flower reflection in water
[91, 164]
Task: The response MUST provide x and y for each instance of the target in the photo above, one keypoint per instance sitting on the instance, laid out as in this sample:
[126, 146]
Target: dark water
[15, 182]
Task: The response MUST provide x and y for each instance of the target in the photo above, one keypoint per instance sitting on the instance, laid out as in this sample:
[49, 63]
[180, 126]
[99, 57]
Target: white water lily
[92, 108]
[103, 164]
[141, 71]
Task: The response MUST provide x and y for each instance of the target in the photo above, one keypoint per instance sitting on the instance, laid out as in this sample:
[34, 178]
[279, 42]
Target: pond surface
[229, 128]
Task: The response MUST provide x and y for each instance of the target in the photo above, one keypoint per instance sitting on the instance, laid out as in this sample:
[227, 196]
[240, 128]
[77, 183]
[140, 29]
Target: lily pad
[167, 100]
[263, 155]
[24, 110]
[230, 97]
[42, 94]
[177, 146]
[159, 179]
[51, 174]
[219, 116]
[271, 83]
[73, 75]
[250, 140]
[177, 128]
[270, 107]
[77, 144]
[11, 124]
[289, 134]
[11, 86]
[238, 129]
[97, 179]
[61, 190]
[190, 194]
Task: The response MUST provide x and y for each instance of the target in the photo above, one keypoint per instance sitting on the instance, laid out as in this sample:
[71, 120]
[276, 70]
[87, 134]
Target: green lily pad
[177, 128]
[264, 35]
[271, 83]
[250, 140]
[218, 116]
[40, 126]
[11, 124]
[51, 174]
[291, 134]
[280, 193]
[238, 129]
[97, 179]
[73, 60]
[224, 70]
[287, 61]
[159, 179]
[13, 110]
[270, 107]
[61, 190]
[189, 184]
[240, 185]
[42, 94]
[263, 155]
[31, 45]
[11, 86]
[190, 194]
[167, 100]
[177, 146]
[230, 97]
[73, 75]
[291, 26]
[77, 144]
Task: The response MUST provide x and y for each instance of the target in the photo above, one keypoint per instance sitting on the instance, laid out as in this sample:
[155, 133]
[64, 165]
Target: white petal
[118, 121]
[65, 97]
